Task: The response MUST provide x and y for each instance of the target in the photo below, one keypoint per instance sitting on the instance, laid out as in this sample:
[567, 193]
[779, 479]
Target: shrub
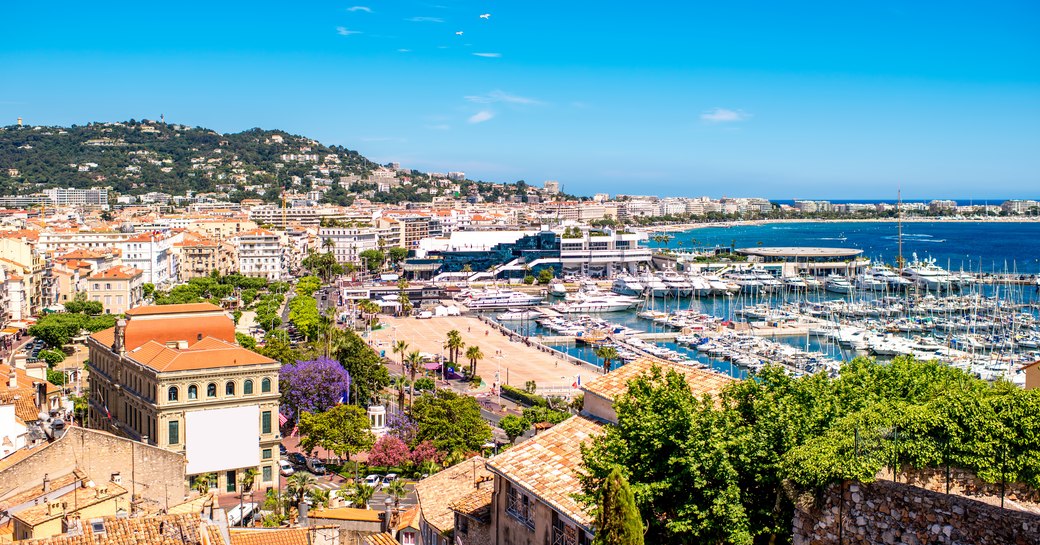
[522, 397]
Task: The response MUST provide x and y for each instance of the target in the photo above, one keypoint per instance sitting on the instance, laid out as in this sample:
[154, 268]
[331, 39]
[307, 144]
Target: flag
[282, 419]
[295, 430]
[343, 397]
[577, 382]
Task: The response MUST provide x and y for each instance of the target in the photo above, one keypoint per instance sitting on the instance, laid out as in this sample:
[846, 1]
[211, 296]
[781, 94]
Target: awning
[432, 366]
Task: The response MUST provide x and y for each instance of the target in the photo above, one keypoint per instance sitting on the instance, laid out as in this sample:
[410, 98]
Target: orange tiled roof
[23, 400]
[547, 465]
[437, 492]
[346, 513]
[380, 539]
[615, 383]
[213, 353]
[409, 519]
[151, 310]
[149, 530]
[36, 491]
[476, 505]
[270, 536]
[82, 497]
[118, 272]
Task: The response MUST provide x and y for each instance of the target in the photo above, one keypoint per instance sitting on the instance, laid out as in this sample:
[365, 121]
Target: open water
[1012, 247]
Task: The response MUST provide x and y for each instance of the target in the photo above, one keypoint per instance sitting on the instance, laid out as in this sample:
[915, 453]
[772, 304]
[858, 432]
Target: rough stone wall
[885, 512]
[153, 475]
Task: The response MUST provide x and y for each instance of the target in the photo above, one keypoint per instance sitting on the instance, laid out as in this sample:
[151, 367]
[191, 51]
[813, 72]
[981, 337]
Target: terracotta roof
[173, 309]
[140, 332]
[346, 513]
[24, 380]
[476, 505]
[23, 400]
[615, 383]
[84, 254]
[437, 492]
[408, 519]
[151, 530]
[37, 491]
[270, 536]
[213, 353]
[380, 539]
[119, 272]
[547, 464]
[81, 497]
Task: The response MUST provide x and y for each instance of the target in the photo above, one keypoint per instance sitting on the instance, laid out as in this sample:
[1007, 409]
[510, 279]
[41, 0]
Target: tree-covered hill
[138, 157]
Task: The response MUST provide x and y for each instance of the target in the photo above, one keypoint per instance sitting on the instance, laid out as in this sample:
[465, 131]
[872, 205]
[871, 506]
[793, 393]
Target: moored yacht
[597, 302]
[926, 274]
[836, 283]
[499, 299]
[627, 285]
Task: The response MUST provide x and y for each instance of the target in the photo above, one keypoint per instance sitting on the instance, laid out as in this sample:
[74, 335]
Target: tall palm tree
[399, 383]
[414, 360]
[473, 354]
[327, 244]
[400, 347]
[608, 354]
[298, 485]
[454, 344]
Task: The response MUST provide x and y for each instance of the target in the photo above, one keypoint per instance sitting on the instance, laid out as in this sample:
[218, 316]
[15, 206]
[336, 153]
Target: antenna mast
[899, 215]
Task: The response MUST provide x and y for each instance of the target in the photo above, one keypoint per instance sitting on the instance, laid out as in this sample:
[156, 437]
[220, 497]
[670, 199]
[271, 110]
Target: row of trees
[722, 470]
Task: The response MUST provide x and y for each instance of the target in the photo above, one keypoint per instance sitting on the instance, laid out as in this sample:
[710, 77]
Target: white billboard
[222, 439]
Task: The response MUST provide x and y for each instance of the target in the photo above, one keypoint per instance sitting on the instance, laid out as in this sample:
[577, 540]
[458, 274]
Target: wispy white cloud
[481, 116]
[489, 55]
[365, 9]
[425, 19]
[501, 96]
[403, 50]
[724, 115]
[344, 31]
[438, 127]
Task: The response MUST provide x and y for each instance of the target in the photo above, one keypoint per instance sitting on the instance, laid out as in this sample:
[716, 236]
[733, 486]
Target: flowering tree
[425, 452]
[312, 386]
[402, 427]
[388, 451]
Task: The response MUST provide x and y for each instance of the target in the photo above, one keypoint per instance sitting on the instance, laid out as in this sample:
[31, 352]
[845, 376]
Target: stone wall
[885, 512]
[154, 476]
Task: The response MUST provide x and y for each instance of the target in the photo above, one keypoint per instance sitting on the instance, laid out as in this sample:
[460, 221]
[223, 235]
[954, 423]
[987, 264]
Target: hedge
[522, 397]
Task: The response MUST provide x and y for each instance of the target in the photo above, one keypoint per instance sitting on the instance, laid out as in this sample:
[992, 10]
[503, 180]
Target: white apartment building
[260, 254]
[153, 254]
[77, 197]
[347, 243]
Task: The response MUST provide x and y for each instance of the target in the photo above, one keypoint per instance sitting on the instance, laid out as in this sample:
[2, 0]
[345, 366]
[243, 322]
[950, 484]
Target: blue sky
[788, 99]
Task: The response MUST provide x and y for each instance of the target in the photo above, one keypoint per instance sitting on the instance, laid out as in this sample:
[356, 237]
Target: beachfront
[516, 361]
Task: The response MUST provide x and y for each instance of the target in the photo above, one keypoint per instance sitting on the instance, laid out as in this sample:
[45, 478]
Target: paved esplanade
[523, 362]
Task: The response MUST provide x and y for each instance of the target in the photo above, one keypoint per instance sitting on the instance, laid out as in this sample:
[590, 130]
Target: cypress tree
[617, 519]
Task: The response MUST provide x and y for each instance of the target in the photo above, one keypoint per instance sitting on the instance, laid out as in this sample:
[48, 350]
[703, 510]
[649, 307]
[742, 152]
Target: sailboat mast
[899, 215]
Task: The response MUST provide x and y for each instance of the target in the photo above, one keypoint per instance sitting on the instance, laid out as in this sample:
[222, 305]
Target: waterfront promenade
[517, 361]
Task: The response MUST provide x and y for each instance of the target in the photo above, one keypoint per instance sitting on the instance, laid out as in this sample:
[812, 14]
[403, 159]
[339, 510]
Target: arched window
[211, 390]
[229, 388]
[265, 386]
[193, 392]
[247, 387]
[171, 394]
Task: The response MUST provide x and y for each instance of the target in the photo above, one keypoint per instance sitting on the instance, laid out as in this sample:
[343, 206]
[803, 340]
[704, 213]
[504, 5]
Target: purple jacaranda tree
[313, 386]
[402, 427]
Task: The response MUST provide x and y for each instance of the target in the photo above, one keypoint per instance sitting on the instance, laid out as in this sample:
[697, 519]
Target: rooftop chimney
[12, 379]
[118, 336]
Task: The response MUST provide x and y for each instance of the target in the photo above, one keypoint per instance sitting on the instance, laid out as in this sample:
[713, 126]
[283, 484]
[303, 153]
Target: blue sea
[1012, 247]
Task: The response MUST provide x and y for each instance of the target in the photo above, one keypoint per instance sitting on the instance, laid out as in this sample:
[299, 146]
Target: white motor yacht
[654, 285]
[677, 285]
[596, 303]
[491, 299]
[836, 283]
[627, 285]
[926, 274]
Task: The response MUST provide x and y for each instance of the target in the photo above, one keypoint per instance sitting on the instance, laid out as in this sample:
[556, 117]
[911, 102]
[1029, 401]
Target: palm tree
[414, 360]
[396, 491]
[327, 244]
[454, 344]
[204, 481]
[609, 354]
[400, 383]
[247, 478]
[319, 496]
[473, 354]
[362, 494]
[298, 485]
[400, 347]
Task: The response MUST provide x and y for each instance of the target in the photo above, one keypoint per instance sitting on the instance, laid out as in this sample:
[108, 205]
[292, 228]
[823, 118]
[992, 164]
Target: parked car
[390, 477]
[315, 466]
[285, 468]
[374, 480]
[282, 450]
[297, 460]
